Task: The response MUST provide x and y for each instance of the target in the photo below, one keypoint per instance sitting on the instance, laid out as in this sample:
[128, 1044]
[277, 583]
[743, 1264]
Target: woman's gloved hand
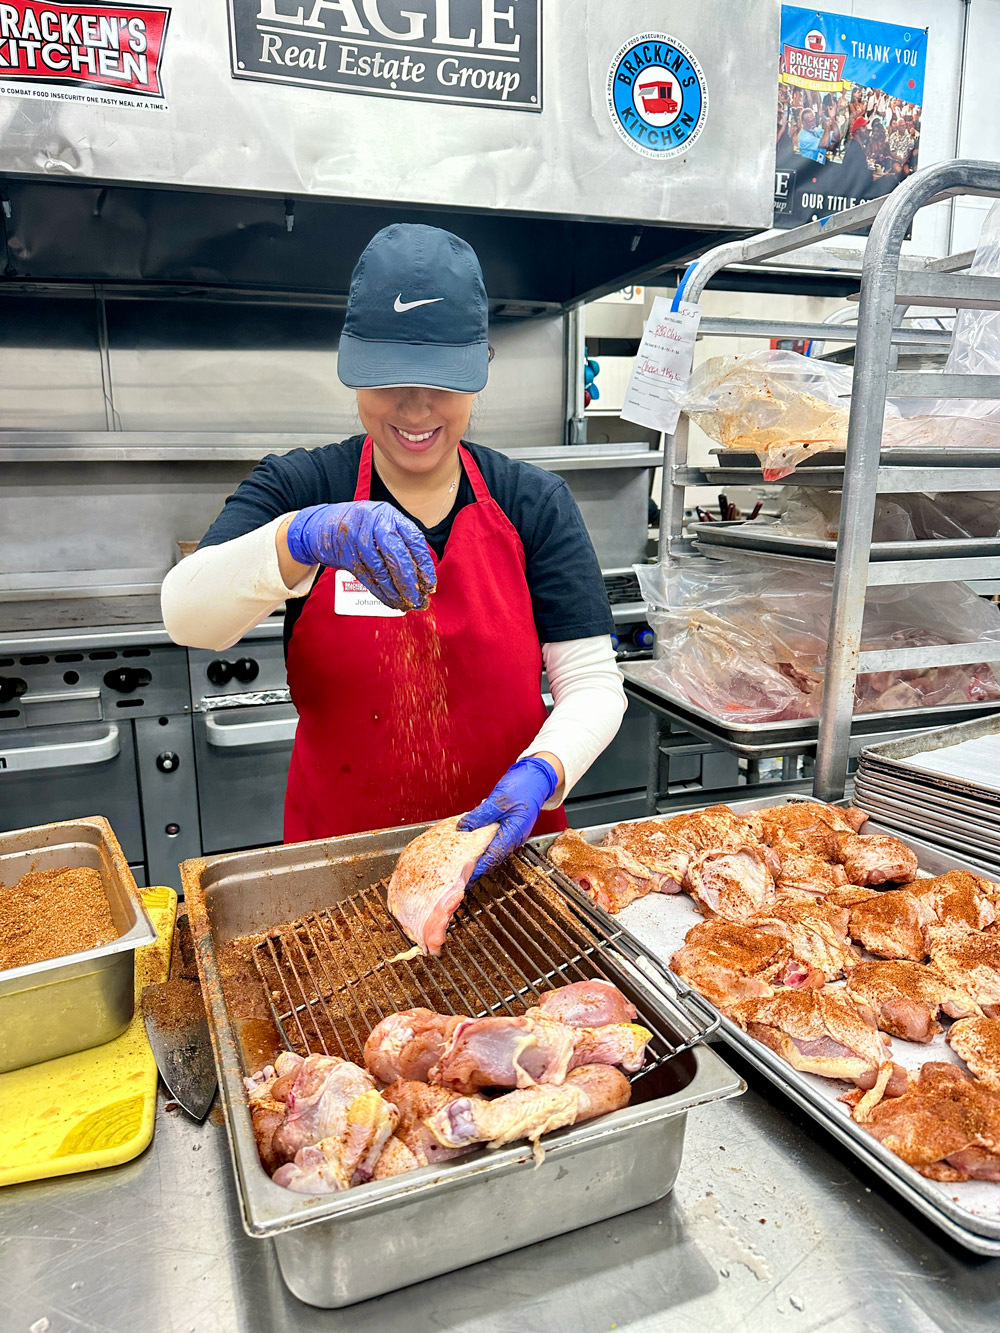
[382, 549]
[514, 804]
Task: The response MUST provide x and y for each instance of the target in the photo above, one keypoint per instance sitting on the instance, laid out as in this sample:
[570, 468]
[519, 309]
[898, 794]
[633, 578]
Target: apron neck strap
[363, 489]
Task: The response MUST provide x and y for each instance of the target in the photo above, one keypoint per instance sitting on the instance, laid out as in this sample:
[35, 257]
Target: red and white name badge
[352, 598]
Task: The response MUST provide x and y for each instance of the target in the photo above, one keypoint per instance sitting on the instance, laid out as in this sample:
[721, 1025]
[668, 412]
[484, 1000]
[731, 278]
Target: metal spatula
[174, 1014]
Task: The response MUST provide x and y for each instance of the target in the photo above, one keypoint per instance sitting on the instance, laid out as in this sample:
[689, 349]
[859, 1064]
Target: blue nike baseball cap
[416, 314]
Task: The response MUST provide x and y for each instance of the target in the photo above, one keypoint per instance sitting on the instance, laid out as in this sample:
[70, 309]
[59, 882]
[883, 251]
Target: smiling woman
[427, 582]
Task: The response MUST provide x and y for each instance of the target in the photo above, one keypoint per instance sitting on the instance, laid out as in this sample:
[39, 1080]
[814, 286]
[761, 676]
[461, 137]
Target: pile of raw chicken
[789, 894]
[323, 1124]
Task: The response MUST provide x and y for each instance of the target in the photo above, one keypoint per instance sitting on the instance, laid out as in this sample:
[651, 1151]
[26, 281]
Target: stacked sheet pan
[941, 786]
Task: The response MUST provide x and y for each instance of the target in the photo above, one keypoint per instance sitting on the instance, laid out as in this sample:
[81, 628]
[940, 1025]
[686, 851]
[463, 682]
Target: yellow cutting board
[95, 1108]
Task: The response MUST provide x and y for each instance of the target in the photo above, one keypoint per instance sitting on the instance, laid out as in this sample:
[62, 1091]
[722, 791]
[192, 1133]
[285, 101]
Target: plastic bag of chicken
[748, 639]
[782, 406]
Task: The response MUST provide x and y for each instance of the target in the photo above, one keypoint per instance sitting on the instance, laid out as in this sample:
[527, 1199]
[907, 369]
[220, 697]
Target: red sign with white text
[103, 46]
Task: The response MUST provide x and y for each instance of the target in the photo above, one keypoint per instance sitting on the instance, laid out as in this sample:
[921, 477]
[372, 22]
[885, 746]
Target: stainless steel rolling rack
[889, 285]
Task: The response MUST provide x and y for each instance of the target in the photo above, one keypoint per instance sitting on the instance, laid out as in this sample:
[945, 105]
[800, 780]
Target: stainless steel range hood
[236, 170]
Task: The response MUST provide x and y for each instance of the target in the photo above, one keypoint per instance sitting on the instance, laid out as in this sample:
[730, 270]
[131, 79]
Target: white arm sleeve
[212, 597]
[589, 703]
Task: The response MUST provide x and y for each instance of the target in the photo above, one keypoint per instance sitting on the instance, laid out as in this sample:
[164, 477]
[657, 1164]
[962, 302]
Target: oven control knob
[127, 679]
[246, 670]
[11, 687]
[168, 762]
[219, 672]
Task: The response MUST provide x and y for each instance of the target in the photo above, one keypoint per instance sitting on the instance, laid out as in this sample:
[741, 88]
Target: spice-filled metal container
[80, 1000]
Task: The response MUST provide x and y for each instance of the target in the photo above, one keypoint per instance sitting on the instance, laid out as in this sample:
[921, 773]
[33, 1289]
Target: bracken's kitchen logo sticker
[485, 53]
[93, 47]
[657, 95]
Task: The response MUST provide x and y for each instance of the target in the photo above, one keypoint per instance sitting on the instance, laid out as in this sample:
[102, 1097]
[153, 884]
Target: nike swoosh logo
[399, 305]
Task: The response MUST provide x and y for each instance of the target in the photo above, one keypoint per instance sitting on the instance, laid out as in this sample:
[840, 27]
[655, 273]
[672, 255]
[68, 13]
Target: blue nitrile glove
[514, 804]
[381, 548]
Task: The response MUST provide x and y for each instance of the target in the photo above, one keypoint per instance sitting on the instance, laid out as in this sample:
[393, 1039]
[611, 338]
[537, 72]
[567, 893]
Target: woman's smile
[417, 441]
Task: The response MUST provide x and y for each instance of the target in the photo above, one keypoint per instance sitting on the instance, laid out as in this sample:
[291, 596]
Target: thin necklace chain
[448, 494]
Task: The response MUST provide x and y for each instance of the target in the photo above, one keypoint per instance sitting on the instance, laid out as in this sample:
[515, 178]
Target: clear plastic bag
[975, 350]
[748, 639]
[808, 512]
[782, 406]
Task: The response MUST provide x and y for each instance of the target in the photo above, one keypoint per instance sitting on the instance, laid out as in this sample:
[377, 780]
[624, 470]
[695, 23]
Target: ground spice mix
[51, 913]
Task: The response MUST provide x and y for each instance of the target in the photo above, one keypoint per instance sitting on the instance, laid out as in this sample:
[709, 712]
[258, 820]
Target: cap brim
[381, 365]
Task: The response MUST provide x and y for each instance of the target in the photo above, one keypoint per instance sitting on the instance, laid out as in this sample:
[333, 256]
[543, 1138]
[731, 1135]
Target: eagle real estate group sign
[850, 99]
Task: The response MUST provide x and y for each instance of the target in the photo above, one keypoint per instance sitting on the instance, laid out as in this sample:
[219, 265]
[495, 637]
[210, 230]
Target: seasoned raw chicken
[430, 878]
[414, 1102]
[336, 1126]
[890, 924]
[774, 825]
[266, 1093]
[875, 859]
[971, 961]
[611, 876]
[505, 1053]
[945, 1124]
[520, 1052]
[977, 1041]
[816, 932]
[822, 1032]
[729, 961]
[958, 898]
[406, 1045]
[589, 1091]
[586, 1004]
[806, 871]
[733, 884]
[907, 997]
[666, 847]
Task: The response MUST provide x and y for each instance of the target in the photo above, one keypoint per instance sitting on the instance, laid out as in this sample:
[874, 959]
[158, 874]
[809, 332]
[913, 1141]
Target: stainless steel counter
[768, 1228]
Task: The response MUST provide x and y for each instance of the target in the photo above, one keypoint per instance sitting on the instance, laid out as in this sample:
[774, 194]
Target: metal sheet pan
[790, 737]
[334, 1250]
[893, 455]
[904, 754]
[84, 999]
[978, 814]
[942, 828]
[969, 848]
[762, 537]
[827, 477]
[968, 1212]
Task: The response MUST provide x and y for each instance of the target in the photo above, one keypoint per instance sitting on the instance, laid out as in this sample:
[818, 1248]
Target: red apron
[414, 718]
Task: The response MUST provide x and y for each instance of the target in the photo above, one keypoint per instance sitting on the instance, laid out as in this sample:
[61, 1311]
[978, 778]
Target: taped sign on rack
[663, 366]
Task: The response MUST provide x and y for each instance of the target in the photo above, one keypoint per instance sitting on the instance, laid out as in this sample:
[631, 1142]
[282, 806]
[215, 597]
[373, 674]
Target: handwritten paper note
[663, 366]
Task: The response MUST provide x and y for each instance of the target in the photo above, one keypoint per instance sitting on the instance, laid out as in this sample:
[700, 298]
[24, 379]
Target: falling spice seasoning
[419, 725]
[51, 913]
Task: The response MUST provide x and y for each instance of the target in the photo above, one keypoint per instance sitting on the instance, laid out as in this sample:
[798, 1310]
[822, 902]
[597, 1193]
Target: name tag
[351, 598]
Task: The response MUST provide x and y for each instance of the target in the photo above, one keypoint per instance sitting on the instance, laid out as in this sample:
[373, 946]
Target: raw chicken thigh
[977, 1041]
[907, 997]
[430, 879]
[335, 1127]
[586, 1004]
[408, 1044]
[945, 1124]
[728, 961]
[611, 876]
[822, 1032]
[589, 1091]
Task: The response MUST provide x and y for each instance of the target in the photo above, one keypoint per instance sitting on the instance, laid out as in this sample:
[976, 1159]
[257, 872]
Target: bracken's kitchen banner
[105, 54]
[478, 52]
[850, 95]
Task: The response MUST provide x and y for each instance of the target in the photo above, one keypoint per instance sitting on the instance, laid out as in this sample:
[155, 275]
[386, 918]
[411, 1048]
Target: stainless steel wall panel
[615, 507]
[185, 365]
[50, 368]
[223, 133]
[119, 521]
